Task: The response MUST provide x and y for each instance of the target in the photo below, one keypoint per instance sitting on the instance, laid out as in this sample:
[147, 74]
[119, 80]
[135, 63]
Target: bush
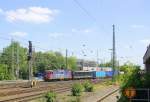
[2, 76]
[50, 96]
[132, 80]
[9, 77]
[77, 89]
[6, 76]
[88, 86]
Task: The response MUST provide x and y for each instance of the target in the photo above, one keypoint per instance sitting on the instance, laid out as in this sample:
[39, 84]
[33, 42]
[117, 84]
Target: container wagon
[99, 74]
[109, 73]
[82, 74]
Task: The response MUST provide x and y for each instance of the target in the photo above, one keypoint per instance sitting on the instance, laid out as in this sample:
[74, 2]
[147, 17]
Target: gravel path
[98, 94]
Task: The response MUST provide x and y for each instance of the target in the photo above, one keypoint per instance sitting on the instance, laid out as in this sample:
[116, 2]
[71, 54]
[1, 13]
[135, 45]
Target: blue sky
[60, 24]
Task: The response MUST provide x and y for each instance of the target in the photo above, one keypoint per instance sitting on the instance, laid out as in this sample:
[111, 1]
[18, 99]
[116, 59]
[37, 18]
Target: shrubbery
[6, 76]
[135, 80]
[50, 96]
[77, 89]
[88, 86]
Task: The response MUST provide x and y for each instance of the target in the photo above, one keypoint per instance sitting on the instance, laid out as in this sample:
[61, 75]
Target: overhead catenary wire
[90, 15]
[87, 13]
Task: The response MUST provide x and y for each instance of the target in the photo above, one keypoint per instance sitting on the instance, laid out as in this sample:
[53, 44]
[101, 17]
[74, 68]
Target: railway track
[24, 94]
[108, 95]
[33, 95]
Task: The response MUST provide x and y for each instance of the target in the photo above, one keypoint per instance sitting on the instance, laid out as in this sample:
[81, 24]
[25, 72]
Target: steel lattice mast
[114, 53]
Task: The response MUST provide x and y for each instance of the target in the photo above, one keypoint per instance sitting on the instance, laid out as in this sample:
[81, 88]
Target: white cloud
[74, 30]
[137, 26]
[31, 15]
[19, 34]
[56, 35]
[81, 30]
[87, 30]
[145, 41]
[1, 11]
[128, 47]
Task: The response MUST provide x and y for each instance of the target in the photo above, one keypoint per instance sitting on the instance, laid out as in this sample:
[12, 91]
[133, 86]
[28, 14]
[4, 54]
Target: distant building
[85, 63]
[97, 68]
[146, 59]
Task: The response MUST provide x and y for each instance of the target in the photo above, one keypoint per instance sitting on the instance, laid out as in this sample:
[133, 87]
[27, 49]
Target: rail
[107, 95]
[21, 94]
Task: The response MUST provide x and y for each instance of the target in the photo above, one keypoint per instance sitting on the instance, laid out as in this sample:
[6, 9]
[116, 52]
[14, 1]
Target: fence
[142, 95]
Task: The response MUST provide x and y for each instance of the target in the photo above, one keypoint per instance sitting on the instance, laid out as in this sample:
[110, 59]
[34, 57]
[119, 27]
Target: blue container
[99, 74]
[109, 73]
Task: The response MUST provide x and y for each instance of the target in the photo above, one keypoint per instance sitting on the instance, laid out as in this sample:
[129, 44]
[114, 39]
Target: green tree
[48, 61]
[7, 59]
[130, 78]
[107, 64]
[53, 60]
[4, 72]
[72, 63]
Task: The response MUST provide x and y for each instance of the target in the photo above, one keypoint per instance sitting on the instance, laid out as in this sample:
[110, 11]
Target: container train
[68, 75]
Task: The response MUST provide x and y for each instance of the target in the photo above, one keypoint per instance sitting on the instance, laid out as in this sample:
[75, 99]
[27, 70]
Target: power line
[92, 17]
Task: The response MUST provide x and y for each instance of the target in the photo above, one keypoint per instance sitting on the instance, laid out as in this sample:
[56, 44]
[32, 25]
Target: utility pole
[114, 55]
[66, 58]
[30, 60]
[18, 67]
[33, 59]
[12, 57]
[97, 57]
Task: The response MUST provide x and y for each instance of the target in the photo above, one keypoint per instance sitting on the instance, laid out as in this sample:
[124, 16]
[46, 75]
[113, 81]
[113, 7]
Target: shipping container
[109, 73]
[82, 74]
[99, 74]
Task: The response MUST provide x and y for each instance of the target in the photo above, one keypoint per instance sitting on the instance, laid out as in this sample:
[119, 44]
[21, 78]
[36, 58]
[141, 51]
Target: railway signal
[30, 60]
[30, 51]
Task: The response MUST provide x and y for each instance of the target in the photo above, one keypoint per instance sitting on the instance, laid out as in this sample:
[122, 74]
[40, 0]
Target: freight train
[68, 75]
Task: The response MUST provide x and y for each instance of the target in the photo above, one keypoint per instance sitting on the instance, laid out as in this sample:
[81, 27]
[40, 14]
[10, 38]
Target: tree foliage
[107, 64]
[41, 61]
[132, 78]
[9, 58]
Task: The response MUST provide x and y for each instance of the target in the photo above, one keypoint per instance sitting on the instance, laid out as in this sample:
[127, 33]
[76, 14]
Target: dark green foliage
[50, 96]
[146, 80]
[77, 89]
[88, 86]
